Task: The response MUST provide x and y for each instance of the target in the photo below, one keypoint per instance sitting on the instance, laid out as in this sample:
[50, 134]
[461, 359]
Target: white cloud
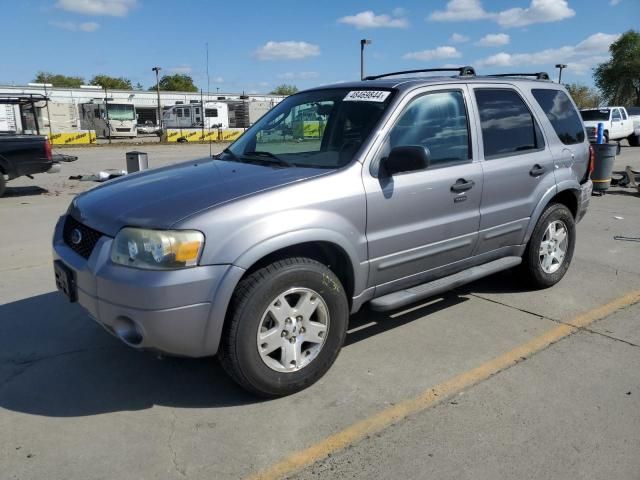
[580, 58]
[458, 38]
[298, 75]
[401, 12]
[436, 53]
[76, 27]
[494, 40]
[368, 19]
[613, 3]
[538, 11]
[181, 69]
[458, 10]
[286, 51]
[115, 8]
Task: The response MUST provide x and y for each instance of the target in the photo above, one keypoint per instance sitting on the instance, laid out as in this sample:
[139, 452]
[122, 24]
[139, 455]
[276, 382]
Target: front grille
[88, 237]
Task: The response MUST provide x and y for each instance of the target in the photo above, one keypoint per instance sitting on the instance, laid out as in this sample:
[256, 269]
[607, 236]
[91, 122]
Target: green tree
[117, 83]
[284, 89]
[584, 96]
[58, 80]
[176, 83]
[138, 86]
[619, 78]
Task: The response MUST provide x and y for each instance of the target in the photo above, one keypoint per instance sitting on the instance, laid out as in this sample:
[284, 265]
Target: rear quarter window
[561, 114]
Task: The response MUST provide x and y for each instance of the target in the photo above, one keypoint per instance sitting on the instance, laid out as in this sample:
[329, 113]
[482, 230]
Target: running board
[405, 297]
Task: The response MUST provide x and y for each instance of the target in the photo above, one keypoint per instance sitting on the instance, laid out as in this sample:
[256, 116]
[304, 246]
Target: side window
[178, 112]
[210, 112]
[561, 114]
[508, 127]
[197, 110]
[616, 114]
[624, 114]
[437, 121]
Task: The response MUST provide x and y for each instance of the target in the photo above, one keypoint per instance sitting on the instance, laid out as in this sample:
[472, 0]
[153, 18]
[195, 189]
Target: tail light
[47, 150]
[592, 161]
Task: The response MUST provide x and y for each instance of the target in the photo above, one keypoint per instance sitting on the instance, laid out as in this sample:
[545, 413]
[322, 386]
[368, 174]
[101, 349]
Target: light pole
[363, 42]
[560, 66]
[157, 70]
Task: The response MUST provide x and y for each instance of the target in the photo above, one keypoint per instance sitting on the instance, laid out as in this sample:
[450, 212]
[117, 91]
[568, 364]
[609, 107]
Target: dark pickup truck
[24, 155]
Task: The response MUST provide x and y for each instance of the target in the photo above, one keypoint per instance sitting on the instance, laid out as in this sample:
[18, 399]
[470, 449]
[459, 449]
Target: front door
[418, 221]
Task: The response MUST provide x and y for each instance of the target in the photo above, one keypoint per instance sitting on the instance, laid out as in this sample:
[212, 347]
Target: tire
[634, 140]
[538, 271]
[605, 135]
[3, 184]
[255, 348]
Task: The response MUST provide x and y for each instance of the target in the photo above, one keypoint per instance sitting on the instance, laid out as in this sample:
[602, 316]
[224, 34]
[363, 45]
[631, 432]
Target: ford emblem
[76, 236]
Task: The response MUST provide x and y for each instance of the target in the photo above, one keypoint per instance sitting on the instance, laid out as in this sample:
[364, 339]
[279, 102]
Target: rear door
[421, 220]
[518, 167]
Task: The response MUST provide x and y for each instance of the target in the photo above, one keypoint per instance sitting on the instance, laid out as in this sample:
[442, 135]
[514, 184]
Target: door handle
[537, 170]
[462, 185]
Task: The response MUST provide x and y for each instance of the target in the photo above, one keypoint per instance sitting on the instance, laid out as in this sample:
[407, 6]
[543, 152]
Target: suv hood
[161, 197]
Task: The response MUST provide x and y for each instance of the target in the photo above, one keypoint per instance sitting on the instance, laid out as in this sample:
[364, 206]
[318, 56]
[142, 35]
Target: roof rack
[462, 71]
[538, 75]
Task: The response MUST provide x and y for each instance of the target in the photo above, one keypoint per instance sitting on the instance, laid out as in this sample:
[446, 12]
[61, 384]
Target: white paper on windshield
[366, 96]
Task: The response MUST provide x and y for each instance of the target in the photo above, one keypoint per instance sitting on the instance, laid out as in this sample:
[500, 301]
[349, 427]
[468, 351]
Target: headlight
[157, 249]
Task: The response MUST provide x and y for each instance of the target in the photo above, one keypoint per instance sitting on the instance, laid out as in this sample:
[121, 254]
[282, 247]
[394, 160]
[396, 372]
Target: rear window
[562, 115]
[508, 127]
[593, 115]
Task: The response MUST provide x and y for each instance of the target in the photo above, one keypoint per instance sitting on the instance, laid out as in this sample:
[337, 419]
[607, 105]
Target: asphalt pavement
[75, 403]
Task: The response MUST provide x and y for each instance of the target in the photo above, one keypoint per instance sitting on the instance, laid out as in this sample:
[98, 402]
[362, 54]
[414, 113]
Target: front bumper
[179, 312]
[586, 190]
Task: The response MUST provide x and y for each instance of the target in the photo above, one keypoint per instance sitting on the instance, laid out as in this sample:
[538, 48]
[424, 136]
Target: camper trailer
[216, 115]
[57, 117]
[109, 119]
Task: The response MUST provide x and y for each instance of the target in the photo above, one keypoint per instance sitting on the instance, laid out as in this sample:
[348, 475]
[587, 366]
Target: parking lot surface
[76, 403]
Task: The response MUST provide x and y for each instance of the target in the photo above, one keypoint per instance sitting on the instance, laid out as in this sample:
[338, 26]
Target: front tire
[285, 327]
[550, 249]
[3, 184]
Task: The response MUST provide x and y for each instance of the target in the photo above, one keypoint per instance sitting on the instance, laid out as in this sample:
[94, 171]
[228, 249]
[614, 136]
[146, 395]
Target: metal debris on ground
[626, 239]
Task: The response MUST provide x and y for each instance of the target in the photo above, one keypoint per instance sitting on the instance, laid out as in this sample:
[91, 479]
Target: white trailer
[110, 119]
[216, 115]
[58, 117]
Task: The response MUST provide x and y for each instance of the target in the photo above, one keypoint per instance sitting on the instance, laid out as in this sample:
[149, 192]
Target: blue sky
[255, 45]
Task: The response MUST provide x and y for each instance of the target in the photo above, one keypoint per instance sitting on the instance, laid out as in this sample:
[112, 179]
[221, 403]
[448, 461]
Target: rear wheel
[550, 249]
[3, 184]
[634, 140]
[286, 325]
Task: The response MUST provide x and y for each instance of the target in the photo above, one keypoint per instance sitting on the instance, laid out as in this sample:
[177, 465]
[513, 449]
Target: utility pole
[363, 42]
[560, 66]
[157, 70]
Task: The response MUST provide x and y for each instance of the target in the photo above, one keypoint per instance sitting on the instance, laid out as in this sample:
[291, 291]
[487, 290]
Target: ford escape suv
[381, 192]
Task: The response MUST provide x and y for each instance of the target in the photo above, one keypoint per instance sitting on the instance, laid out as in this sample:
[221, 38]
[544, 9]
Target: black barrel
[605, 156]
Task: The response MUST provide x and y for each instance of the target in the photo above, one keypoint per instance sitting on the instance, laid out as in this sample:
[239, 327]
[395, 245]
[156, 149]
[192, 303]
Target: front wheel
[3, 184]
[286, 325]
[550, 249]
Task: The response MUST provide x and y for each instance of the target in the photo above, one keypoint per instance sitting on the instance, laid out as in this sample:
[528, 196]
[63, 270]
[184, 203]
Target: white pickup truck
[617, 123]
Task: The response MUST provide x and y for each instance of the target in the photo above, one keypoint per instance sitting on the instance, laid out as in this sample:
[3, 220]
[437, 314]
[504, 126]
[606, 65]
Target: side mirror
[403, 159]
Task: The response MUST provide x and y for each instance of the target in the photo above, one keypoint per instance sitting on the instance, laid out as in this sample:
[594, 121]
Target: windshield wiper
[227, 152]
[268, 157]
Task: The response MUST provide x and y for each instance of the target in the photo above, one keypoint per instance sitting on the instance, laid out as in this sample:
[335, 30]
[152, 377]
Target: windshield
[121, 112]
[592, 115]
[322, 128]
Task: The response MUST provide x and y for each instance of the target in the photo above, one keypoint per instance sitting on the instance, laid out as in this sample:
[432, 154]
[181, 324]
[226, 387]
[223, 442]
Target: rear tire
[285, 327]
[634, 140]
[3, 184]
[550, 249]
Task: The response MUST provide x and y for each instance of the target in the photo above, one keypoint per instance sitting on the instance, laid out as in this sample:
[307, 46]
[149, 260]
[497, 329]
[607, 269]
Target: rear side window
[437, 121]
[616, 114]
[624, 115]
[562, 115]
[508, 127]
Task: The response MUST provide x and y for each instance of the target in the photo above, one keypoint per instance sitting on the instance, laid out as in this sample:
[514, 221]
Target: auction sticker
[366, 96]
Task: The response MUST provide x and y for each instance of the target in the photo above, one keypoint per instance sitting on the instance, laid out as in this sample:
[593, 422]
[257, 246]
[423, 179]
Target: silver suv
[381, 192]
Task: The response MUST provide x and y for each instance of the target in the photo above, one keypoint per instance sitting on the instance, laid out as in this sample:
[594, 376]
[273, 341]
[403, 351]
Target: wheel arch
[567, 195]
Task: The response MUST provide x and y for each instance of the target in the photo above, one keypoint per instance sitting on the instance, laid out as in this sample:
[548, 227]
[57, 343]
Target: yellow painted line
[378, 421]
